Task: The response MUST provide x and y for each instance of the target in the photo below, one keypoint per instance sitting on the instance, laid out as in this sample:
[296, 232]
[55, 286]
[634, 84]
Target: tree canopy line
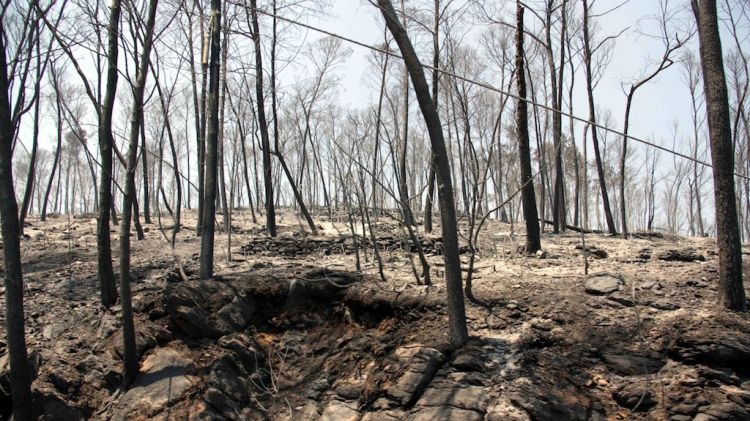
[192, 104]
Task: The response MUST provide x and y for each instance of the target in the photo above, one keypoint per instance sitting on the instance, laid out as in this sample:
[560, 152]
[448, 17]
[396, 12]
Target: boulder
[421, 364]
[628, 364]
[713, 348]
[166, 376]
[635, 397]
[602, 284]
[728, 411]
[473, 398]
[340, 411]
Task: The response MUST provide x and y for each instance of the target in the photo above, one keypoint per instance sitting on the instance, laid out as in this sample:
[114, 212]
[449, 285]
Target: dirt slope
[289, 330]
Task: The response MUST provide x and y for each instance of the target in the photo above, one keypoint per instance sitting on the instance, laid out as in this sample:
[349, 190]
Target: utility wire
[484, 85]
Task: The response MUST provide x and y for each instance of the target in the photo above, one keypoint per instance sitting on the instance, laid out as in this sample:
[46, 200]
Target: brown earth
[288, 330]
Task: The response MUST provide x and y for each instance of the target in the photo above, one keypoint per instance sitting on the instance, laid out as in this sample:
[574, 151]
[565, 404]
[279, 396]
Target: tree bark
[731, 291]
[105, 273]
[58, 150]
[212, 142]
[435, 90]
[458, 333]
[130, 359]
[30, 178]
[20, 376]
[267, 170]
[528, 197]
[592, 118]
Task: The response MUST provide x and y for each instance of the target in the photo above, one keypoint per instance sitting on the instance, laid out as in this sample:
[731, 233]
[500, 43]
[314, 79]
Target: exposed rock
[443, 413]
[307, 412]
[223, 404]
[663, 304]
[201, 411]
[681, 255]
[737, 395]
[193, 322]
[713, 349]
[340, 411]
[51, 406]
[602, 284]
[635, 397]
[468, 362]
[546, 407]
[349, 388]
[144, 340]
[165, 377]
[464, 397]
[245, 350]
[622, 298]
[235, 315]
[684, 409]
[389, 415]
[721, 375]
[421, 365]
[65, 378]
[627, 364]
[227, 377]
[729, 411]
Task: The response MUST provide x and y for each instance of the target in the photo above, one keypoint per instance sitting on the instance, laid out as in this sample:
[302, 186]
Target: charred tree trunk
[20, 376]
[30, 178]
[105, 272]
[130, 359]
[731, 291]
[58, 149]
[435, 90]
[144, 164]
[212, 141]
[266, 145]
[592, 118]
[528, 197]
[458, 332]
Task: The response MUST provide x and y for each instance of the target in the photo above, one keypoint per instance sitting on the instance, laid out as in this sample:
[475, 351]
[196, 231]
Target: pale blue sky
[656, 105]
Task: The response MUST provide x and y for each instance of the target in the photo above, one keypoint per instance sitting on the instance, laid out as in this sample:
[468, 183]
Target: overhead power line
[486, 86]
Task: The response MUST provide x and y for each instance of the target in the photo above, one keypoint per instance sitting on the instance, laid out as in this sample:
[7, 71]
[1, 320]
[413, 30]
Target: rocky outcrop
[166, 376]
[603, 283]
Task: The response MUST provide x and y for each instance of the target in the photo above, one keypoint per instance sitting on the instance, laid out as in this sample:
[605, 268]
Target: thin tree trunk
[30, 178]
[592, 117]
[105, 273]
[58, 149]
[267, 170]
[144, 164]
[20, 375]
[212, 140]
[528, 197]
[403, 186]
[205, 41]
[130, 359]
[175, 161]
[457, 332]
[731, 291]
[435, 90]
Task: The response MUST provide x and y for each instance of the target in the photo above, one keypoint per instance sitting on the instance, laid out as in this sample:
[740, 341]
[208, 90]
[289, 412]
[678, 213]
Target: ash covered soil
[289, 330]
